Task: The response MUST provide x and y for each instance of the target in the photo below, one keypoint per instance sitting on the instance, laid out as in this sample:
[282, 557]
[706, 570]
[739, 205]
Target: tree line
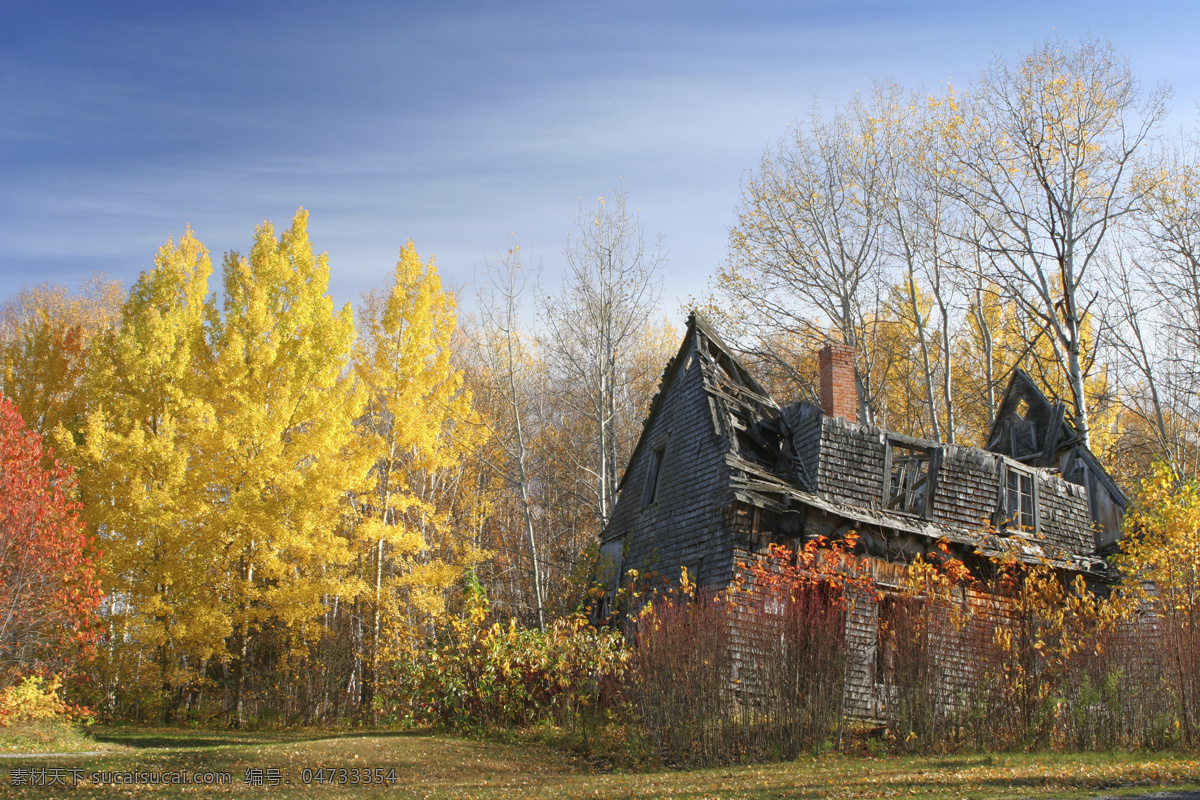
[284, 500]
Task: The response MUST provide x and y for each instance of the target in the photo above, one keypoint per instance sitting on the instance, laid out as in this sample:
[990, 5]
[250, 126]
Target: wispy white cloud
[452, 124]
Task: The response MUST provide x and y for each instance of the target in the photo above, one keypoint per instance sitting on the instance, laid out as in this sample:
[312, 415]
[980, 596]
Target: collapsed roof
[796, 459]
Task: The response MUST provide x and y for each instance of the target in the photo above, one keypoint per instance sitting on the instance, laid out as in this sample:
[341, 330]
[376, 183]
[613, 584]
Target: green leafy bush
[476, 674]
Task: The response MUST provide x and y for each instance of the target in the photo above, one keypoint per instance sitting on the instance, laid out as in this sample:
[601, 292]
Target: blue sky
[457, 124]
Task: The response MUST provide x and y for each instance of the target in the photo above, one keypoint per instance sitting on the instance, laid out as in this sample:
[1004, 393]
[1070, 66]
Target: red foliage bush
[49, 592]
[754, 673]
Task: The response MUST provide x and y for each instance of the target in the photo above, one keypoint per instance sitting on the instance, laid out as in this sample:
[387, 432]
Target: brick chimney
[839, 395]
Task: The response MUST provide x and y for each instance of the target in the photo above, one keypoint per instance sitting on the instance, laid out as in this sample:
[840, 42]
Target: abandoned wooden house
[722, 470]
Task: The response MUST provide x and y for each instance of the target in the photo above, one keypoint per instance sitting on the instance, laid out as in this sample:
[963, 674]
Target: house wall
[1107, 503]
[1064, 519]
[851, 462]
[961, 644]
[685, 525]
[695, 522]
[968, 487]
[861, 698]
[804, 422]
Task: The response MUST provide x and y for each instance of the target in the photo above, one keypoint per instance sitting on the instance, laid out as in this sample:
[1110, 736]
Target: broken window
[910, 472]
[1018, 499]
[1022, 433]
[652, 475]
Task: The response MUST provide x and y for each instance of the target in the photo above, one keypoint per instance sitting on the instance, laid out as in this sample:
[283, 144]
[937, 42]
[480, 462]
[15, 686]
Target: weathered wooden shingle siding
[968, 487]
[862, 641]
[850, 461]
[723, 495]
[851, 466]
[745, 627]
[804, 422]
[1063, 514]
[961, 644]
[685, 524]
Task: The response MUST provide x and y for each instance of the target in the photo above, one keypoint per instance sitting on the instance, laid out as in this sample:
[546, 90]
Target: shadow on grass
[1099, 788]
[148, 738]
[964, 763]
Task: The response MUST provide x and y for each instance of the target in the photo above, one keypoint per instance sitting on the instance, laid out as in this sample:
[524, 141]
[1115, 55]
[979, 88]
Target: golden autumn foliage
[289, 498]
[1160, 557]
[282, 455]
[414, 400]
[1013, 654]
[138, 472]
[259, 487]
[1163, 547]
[953, 237]
[412, 540]
[45, 337]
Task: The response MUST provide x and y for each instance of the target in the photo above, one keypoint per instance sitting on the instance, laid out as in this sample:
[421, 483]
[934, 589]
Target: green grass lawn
[439, 766]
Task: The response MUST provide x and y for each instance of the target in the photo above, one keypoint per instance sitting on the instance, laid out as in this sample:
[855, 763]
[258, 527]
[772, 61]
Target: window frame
[934, 452]
[654, 470]
[1004, 518]
[1027, 447]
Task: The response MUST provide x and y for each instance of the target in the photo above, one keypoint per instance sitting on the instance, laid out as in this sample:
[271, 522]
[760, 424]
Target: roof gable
[1030, 428]
[720, 368]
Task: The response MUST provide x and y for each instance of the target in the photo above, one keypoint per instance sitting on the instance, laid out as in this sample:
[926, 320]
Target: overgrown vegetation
[1022, 660]
[34, 718]
[481, 674]
[1018, 659]
[754, 673]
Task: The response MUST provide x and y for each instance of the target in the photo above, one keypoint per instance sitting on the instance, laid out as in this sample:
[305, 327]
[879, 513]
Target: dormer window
[653, 473]
[1018, 499]
[910, 472]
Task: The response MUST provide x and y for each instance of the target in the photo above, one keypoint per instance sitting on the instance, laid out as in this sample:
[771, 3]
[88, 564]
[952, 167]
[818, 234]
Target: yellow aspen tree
[807, 254]
[412, 548]
[1152, 314]
[901, 401]
[989, 347]
[282, 457]
[925, 240]
[997, 338]
[139, 495]
[45, 336]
